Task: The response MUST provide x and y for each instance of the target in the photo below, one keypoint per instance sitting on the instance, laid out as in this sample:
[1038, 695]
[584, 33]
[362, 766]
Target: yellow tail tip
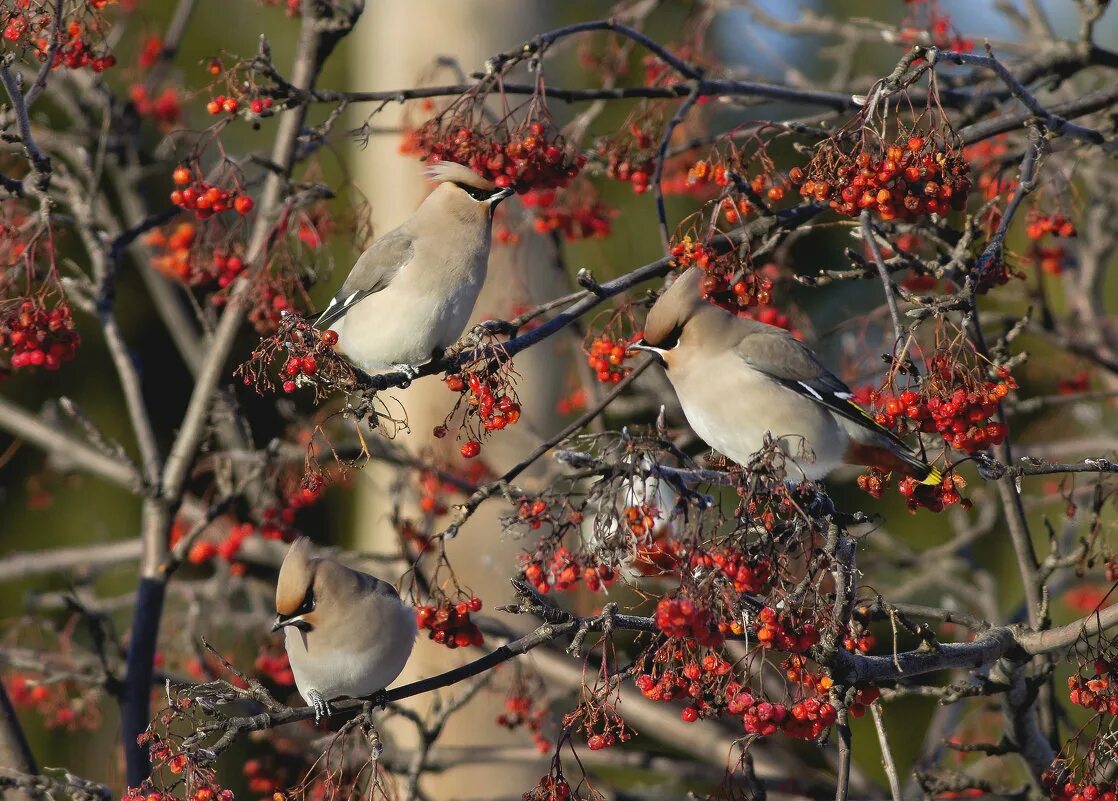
[934, 478]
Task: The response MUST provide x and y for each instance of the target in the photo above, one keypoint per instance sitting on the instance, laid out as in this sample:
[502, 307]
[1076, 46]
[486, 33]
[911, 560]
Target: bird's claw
[320, 705]
[409, 370]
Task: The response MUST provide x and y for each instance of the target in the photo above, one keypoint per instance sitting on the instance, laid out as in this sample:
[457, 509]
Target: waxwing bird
[738, 380]
[411, 294]
[348, 633]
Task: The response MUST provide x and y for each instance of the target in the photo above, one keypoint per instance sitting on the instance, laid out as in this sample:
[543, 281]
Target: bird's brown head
[671, 313]
[463, 194]
[296, 600]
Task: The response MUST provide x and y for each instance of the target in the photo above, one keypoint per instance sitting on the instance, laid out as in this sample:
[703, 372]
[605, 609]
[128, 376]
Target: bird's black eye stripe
[672, 339]
[308, 603]
[474, 192]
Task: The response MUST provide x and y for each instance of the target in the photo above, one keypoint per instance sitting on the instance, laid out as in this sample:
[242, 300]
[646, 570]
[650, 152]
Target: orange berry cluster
[874, 482]
[24, 25]
[626, 162]
[574, 215]
[1097, 692]
[607, 355]
[682, 618]
[534, 156]
[449, 624]
[780, 631]
[961, 414]
[54, 701]
[165, 110]
[203, 198]
[1056, 224]
[687, 252]
[521, 709]
[935, 497]
[258, 782]
[745, 573]
[910, 179]
[37, 336]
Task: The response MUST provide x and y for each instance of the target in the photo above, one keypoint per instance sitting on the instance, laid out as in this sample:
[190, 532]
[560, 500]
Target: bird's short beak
[497, 197]
[296, 621]
[658, 353]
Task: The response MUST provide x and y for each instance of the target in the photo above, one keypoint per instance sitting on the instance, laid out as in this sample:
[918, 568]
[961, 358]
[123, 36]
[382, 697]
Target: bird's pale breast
[732, 407]
[356, 659]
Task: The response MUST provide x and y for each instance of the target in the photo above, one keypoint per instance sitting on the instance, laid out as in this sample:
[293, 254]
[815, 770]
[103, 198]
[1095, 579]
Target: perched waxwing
[738, 380]
[348, 633]
[411, 294]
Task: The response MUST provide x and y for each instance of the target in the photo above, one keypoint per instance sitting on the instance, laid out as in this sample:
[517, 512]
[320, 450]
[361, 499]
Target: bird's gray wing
[374, 270]
[785, 359]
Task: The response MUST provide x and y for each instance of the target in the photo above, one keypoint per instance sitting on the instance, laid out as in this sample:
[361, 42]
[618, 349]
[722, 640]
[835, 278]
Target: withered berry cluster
[38, 336]
[449, 623]
[917, 176]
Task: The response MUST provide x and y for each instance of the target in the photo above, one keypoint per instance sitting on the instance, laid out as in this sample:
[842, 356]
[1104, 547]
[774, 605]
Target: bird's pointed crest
[452, 172]
[295, 577]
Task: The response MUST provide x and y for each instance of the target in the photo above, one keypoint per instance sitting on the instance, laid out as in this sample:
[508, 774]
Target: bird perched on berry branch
[739, 380]
[348, 633]
[410, 295]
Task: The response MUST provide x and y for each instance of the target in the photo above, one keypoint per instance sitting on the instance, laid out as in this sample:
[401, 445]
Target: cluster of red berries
[574, 215]
[874, 482]
[231, 105]
[307, 364]
[148, 793]
[550, 788]
[74, 51]
[522, 710]
[987, 158]
[960, 414]
[165, 110]
[861, 641]
[682, 618]
[606, 357]
[745, 573]
[174, 257]
[534, 156]
[54, 702]
[449, 624]
[37, 336]
[780, 631]
[1060, 786]
[687, 252]
[640, 520]
[563, 570]
[926, 18]
[1038, 225]
[609, 737]
[630, 162]
[258, 782]
[1097, 692]
[203, 198]
[533, 513]
[934, 497]
[494, 406]
[686, 675]
[805, 719]
[272, 296]
[735, 288]
[915, 177]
